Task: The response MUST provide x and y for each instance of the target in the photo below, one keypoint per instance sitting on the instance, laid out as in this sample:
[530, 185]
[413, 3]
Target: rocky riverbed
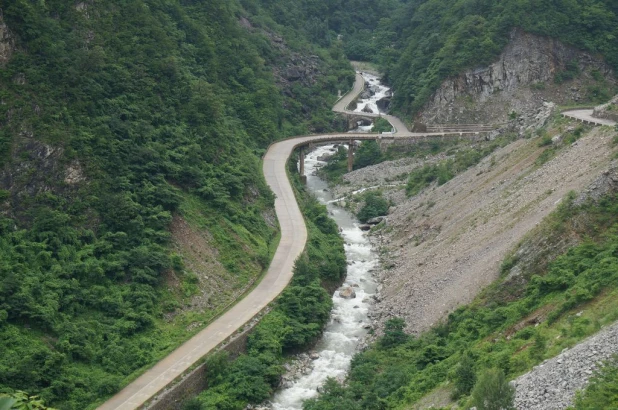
[349, 323]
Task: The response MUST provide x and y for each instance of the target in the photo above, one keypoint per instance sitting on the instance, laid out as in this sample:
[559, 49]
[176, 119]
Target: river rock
[376, 220]
[384, 103]
[366, 94]
[367, 109]
[347, 293]
[314, 356]
[365, 227]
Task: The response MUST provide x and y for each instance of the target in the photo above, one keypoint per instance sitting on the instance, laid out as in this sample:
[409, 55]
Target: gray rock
[376, 220]
[384, 103]
[347, 293]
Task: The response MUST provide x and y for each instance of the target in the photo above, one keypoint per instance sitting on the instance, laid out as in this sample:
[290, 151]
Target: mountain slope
[118, 119]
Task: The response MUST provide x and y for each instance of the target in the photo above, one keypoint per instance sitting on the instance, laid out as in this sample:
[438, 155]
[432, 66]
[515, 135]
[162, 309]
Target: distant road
[586, 116]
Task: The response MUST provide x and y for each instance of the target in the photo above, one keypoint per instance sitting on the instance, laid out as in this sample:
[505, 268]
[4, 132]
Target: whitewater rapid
[348, 323]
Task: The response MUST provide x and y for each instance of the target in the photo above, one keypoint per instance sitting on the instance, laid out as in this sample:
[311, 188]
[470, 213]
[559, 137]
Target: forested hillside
[117, 117]
[425, 41]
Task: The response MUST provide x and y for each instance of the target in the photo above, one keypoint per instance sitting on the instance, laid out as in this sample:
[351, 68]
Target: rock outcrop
[384, 103]
[607, 111]
[518, 82]
[7, 43]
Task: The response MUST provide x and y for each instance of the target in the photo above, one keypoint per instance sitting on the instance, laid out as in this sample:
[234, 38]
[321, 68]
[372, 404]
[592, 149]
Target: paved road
[586, 116]
[293, 238]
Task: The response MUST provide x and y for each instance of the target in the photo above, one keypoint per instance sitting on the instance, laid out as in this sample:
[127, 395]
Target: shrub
[465, 377]
[393, 333]
[493, 391]
[375, 205]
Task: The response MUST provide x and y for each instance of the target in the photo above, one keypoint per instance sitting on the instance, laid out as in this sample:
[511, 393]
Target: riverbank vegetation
[517, 322]
[295, 321]
[118, 119]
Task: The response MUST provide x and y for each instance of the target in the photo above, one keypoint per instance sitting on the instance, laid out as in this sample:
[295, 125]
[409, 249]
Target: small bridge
[351, 139]
[360, 118]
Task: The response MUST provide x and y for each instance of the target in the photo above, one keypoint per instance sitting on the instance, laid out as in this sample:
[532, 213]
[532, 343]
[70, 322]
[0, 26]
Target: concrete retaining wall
[194, 382]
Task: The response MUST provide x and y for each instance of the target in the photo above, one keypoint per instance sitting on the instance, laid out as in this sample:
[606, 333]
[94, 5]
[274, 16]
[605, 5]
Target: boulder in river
[376, 220]
[368, 109]
[365, 95]
[347, 293]
[365, 227]
[384, 103]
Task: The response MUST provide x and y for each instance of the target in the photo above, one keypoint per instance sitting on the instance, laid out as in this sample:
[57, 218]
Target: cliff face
[522, 78]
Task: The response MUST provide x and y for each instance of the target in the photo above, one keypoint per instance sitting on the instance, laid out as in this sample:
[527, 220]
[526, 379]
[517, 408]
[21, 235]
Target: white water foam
[349, 316]
[381, 91]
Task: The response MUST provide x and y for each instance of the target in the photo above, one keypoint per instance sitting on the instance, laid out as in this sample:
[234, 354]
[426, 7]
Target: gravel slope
[447, 243]
[553, 384]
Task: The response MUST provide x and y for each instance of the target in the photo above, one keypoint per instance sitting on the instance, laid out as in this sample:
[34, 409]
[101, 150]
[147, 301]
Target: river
[378, 92]
[349, 321]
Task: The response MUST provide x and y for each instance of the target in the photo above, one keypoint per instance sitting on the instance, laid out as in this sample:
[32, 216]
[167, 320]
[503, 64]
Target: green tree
[375, 205]
[465, 376]
[493, 392]
[394, 334]
[368, 153]
[192, 404]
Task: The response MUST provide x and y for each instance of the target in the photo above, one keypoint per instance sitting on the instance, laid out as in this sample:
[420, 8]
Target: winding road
[292, 244]
[342, 105]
